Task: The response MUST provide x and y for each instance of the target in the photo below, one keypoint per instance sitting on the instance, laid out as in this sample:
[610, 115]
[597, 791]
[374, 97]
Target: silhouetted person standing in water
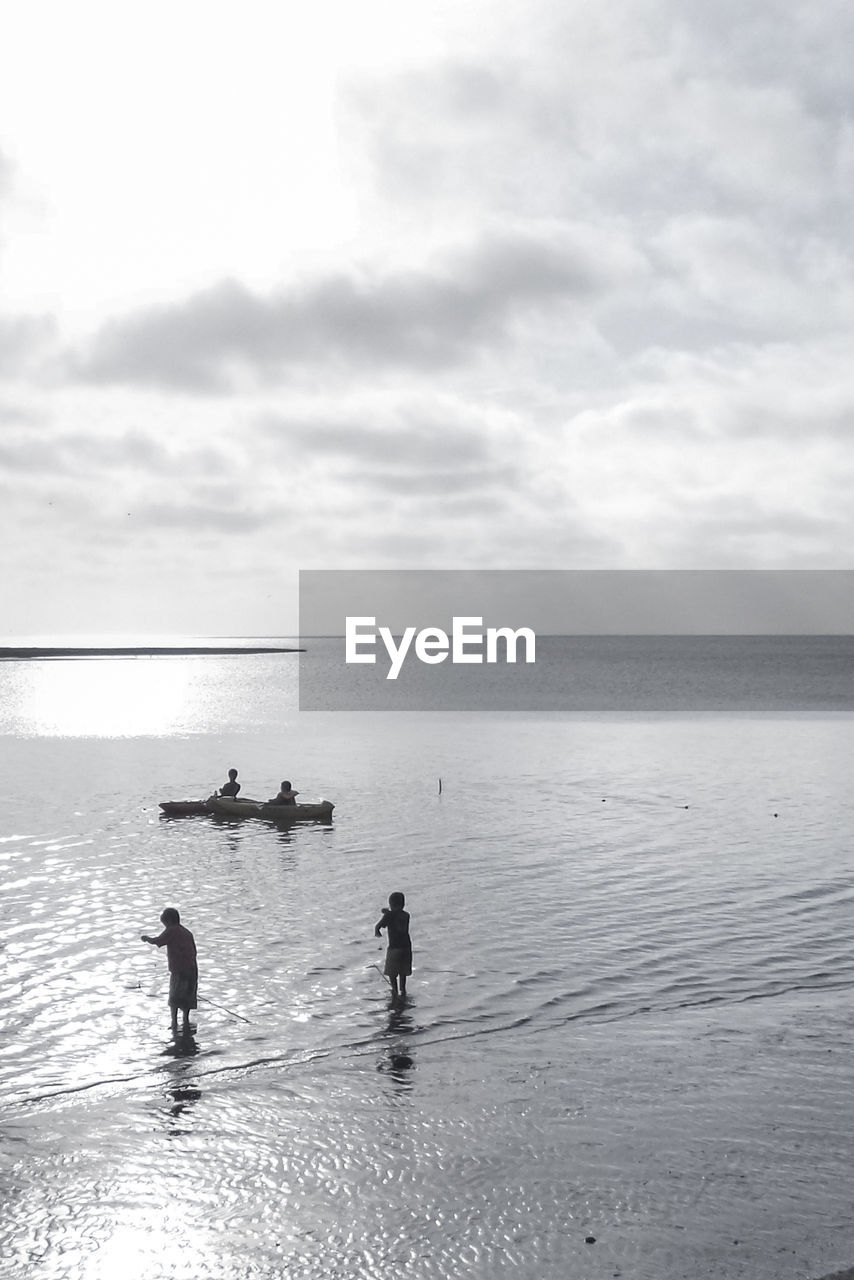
[398, 957]
[183, 969]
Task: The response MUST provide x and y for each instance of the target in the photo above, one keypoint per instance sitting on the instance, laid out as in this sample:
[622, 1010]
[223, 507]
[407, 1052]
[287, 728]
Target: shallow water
[629, 1015]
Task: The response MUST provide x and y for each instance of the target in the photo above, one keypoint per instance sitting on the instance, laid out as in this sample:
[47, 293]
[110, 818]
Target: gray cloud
[434, 318]
[40, 450]
[789, 392]
[676, 123]
[197, 515]
[6, 171]
[440, 482]
[414, 434]
[651, 96]
[17, 414]
[807, 48]
[25, 341]
[142, 451]
[23, 454]
[407, 450]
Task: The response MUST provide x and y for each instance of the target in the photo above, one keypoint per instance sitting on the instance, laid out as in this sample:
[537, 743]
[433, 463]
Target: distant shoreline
[135, 651]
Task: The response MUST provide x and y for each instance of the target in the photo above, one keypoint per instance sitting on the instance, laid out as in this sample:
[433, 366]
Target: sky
[535, 285]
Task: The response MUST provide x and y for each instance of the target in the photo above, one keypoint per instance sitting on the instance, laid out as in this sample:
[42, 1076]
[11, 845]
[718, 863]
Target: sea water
[626, 1049]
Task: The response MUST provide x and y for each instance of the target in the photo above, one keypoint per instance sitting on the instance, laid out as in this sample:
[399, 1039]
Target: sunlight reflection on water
[117, 698]
[141, 696]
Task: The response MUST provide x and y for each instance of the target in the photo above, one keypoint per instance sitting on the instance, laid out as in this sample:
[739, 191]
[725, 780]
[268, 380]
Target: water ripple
[627, 1020]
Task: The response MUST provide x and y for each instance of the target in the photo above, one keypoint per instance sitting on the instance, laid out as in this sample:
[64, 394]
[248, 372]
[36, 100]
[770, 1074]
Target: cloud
[26, 340]
[16, 413]
[418, 319]
[731, 276]
[634, 106]
[403, 449]
[26, 454]
[25, 343]
[663, 112]
[142, 451]
[5, 175]
[797, 393]
[31, 444]
[438, 483]
[409, 430]
[214, 509]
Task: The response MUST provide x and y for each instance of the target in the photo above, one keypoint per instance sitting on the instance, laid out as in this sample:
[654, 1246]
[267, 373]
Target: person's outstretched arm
[155, 942]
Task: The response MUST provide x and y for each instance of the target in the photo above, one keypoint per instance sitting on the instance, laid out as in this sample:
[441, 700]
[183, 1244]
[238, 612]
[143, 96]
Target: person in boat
[183, 967]
[286, 795]
[231, 787]
[398, 957]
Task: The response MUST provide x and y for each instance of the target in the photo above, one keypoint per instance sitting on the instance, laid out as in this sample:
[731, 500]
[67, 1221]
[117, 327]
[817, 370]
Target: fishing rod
[384, 976]
[223, 1009]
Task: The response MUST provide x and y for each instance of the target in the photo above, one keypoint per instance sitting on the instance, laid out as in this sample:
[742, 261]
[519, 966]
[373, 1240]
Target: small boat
[181, 808]
[226, 807]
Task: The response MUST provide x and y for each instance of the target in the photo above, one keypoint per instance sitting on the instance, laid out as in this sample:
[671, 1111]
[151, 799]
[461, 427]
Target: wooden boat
[225, 807]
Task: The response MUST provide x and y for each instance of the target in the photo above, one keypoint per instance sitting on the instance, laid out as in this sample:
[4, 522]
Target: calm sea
[627, 1049]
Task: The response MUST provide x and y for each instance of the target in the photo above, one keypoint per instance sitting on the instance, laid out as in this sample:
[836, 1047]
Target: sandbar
[136, 651]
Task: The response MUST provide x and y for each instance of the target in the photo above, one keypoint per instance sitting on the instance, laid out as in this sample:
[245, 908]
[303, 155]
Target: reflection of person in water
[398, 1061]
[286, 795]
[183, 968]
[182, 1099]
[231, 787]
[398, 957]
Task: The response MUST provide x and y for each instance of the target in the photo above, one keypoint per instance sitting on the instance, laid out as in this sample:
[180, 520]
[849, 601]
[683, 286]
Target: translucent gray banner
[551, 640]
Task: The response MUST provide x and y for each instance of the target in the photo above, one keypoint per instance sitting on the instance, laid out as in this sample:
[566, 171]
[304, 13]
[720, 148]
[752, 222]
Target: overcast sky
[385, 285]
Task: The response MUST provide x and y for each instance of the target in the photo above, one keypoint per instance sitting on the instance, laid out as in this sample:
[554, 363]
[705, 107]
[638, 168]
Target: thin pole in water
[440, 786]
